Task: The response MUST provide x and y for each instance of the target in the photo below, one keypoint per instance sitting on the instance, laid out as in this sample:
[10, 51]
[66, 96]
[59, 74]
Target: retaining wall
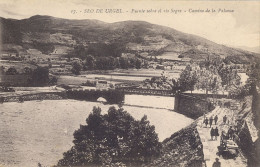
[191, 105]
[38, 96]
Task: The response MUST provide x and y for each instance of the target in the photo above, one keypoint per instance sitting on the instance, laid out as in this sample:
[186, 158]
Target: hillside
[52, 35]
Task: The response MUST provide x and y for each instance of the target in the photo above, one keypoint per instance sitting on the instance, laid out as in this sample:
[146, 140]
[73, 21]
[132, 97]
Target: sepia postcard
[115, 83]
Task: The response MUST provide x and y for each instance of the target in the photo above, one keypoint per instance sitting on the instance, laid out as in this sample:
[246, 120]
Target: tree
[11, 71]
[53, 80]
[90, 62]
[161, 61]
[204, 77]
[188, 79]
[123, 62]
[50, 65]
[113, 138]
[138, 64]
[155, 59]
[40, 77]
[27, 70]
[229, 77]
[79, 51]
[76, 67]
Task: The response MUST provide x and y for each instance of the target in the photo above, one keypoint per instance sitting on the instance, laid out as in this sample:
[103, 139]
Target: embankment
[34, 96]
[111, 96]
[183, 148]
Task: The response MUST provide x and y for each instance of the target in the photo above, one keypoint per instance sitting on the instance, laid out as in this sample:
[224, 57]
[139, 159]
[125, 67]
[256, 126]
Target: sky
[238, 28]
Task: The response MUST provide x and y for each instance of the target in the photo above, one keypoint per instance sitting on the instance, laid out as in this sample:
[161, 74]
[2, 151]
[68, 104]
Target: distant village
[15, 69]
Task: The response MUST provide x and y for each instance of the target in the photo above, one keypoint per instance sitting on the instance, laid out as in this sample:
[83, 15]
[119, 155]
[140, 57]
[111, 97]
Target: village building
[102, 85]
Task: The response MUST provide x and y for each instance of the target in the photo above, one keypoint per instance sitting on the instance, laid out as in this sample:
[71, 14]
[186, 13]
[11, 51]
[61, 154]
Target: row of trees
[252, 83]
[14, 71]
[37, 77]
[105, 63]
[214, 79]
[115, 138]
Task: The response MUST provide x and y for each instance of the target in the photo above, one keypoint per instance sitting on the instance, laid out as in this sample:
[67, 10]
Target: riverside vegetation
[115, 138]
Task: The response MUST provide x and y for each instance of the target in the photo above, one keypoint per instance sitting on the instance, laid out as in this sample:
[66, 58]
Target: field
[116, 76]
[169, 56]
[33, 131]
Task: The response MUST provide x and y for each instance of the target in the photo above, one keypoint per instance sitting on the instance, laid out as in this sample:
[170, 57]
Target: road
[210, 146]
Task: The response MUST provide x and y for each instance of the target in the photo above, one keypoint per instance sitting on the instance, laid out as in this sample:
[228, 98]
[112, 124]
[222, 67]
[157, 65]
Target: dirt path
[210, 146]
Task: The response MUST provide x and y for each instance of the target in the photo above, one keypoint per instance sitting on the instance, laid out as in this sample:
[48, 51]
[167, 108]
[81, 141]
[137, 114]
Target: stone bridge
[141, 91]
[112, 96]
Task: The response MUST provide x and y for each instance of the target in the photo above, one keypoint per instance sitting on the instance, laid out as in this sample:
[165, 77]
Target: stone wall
[183, 148]
[191, 105]
[38, 96]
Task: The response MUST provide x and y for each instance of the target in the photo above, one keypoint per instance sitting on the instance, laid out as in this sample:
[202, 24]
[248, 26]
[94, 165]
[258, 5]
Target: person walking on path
[225, 119]
[206, 121]
[216, 134]
[216, 163]
[210, 121]
[216, 119]
[212, 133]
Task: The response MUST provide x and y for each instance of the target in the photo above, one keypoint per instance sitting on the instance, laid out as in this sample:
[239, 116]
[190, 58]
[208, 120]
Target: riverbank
[41, 131]
[36, 96]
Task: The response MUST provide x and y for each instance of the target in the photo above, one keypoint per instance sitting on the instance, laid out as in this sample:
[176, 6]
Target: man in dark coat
[212, 133]
[216, 134]
[206, 121]
[210, 121]
[216, 163]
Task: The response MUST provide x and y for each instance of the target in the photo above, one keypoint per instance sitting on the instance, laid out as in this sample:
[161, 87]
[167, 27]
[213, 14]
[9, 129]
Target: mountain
[51, 35]
[251, 49]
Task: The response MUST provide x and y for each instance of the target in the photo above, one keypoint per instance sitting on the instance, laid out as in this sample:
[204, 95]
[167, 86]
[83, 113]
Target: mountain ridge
[120, 37]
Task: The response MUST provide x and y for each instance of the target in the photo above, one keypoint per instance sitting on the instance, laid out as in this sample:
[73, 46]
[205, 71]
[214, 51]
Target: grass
[130, 76]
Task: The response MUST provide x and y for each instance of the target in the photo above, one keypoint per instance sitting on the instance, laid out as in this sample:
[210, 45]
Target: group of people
[230, 135]
[214, 133]
[210, 120]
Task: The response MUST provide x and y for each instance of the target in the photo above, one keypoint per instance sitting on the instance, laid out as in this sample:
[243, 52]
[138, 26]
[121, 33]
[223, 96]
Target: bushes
[76, 67]
[39, 77]
[113, 138]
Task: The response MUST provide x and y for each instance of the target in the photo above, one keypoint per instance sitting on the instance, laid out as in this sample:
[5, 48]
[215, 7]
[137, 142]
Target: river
[40, 131]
